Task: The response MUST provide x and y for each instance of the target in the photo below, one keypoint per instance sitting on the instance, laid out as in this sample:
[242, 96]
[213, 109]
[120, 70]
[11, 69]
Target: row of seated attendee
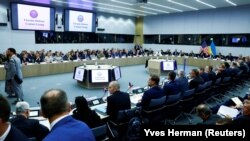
[49, 56]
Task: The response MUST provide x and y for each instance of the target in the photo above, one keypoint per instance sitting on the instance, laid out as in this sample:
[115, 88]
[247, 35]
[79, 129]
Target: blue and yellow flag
[212, 49]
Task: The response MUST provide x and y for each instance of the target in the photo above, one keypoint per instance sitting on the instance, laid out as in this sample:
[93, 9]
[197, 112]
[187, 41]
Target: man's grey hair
[181, 73]
[22, 106]
[115, 84]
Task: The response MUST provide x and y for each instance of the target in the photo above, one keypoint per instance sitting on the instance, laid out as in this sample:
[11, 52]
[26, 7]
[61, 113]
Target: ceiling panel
[133, 8]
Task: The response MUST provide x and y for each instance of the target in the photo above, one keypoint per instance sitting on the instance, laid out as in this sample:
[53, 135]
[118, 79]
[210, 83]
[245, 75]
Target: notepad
[237, 101]
[225, 111]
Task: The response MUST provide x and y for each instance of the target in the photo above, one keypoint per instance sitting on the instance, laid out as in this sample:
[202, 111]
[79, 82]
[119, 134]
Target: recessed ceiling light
[153, 9]
[182, 4]
[77, 4]
[164, 6]
[119, 7]
[122, 2]
[205, 3]
[234, 4]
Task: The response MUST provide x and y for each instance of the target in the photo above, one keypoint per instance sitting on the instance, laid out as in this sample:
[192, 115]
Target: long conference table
[43, 69]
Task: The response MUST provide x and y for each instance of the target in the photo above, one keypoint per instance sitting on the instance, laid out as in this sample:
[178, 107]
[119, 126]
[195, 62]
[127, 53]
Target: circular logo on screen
[99, 74]
[79, 72]
[80, 18]
[33, 13]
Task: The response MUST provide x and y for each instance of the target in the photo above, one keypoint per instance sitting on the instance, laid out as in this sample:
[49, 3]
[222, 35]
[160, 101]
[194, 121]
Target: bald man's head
[54, 102]
[114, 86]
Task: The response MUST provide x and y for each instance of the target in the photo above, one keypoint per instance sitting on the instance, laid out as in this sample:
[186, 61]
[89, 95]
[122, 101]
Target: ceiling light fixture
[77, 4]
[234, 4]
[121, 2]
[205, 3]
[153, 9]
[182, 4]
[155, 4]
[119, 7]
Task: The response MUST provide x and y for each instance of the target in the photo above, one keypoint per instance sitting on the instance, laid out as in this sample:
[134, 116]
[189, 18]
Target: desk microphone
[129, 87]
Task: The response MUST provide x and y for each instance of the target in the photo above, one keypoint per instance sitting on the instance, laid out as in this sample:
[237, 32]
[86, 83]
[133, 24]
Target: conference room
[154, 62]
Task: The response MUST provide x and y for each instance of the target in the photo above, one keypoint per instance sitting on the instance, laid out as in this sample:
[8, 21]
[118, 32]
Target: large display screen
[79, 74]
[117, 73]
[169, 65]
[29, 17]
[99, 76]
[79, 21]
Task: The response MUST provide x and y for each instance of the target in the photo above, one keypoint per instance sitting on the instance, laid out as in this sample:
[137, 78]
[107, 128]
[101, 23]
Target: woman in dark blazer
[85, 114]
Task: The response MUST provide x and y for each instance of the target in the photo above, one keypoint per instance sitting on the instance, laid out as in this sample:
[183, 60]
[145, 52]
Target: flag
[204, 47]
[213, 48]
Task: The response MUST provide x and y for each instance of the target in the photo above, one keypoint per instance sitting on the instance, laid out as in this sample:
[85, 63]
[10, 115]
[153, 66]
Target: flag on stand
[212, 48]
[204, 48]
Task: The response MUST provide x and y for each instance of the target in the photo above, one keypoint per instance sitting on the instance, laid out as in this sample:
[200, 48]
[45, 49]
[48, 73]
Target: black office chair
[172, 104]
[186, 105]
[155, 112]
[100, 132]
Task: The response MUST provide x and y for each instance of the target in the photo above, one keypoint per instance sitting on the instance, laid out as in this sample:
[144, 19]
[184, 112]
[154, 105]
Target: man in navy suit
[153, 93]
[117, 101]
[182, 81]
[203, 74]
[196, 79]
[172, 87]
[8, 132]
[55, 107]
[29, 127]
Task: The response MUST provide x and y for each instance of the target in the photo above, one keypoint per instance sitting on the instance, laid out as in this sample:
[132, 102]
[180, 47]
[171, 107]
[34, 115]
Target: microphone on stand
[129, 87]
[104, 98]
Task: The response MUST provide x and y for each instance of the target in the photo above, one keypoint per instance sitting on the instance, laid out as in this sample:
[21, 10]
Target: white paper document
[225, 111]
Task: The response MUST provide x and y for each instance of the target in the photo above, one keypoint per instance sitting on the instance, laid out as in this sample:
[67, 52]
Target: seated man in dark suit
[29, 127]
[55, 107]
[206, 115]
[117, 100]
[244, 118]
[196, 79]
[7, 131]
[182, 81]
[203, 75]
[153, 93]
[211, 73]
[172, 87]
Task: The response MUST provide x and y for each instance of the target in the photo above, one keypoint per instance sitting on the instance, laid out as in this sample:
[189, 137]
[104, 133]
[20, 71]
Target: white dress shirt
[56, 121]
[2, 138]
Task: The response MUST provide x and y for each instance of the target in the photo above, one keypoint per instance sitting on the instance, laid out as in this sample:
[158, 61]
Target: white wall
[216, 21]
[25, 40]
[223, 20]
[187, 48]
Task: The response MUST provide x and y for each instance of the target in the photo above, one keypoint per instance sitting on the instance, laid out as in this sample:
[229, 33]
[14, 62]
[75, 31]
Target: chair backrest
[201, 87]
[209, 83]
[188, 94]
[173, 98]
[100, 132]
[157, 102]
[217, 82]
[226, 79]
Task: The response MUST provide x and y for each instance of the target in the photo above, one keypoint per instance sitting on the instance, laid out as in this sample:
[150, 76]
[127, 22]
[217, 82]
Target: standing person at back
[117, 101]
[55, 107]
[14, 74]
